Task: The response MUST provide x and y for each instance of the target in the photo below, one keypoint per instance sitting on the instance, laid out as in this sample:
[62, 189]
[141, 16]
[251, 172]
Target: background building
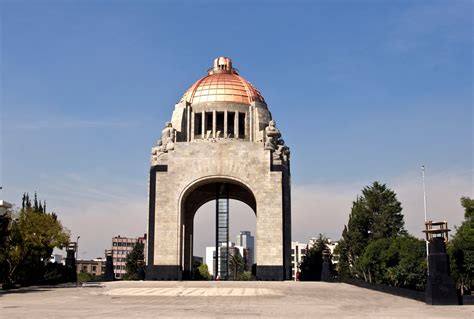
[298, 251]
[94, 267]
[210, 259]
[56, 258]
[245, 240]
[244, 245]
[332, 246]
[4, 206]
[121, 246]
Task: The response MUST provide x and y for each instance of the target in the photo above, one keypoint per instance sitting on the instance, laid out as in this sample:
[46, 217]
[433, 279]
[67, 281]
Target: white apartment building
[298, 251]
[332, 246]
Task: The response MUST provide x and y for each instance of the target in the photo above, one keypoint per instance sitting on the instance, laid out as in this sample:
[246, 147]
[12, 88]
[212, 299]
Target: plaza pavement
[216, 300]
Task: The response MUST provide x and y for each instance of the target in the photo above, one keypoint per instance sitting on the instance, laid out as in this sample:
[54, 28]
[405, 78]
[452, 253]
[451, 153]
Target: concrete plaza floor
[216, 300]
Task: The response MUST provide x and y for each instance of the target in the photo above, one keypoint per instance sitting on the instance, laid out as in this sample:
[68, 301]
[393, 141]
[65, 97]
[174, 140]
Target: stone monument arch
[221, 144]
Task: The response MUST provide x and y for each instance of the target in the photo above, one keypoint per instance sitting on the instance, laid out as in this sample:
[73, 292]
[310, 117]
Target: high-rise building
[121, 247]
[245, 240]
[211, 260]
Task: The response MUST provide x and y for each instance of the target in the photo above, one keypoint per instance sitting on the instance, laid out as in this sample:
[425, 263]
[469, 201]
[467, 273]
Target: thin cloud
[72, 124]
[325, 209]
[98, 212]
[416, 26]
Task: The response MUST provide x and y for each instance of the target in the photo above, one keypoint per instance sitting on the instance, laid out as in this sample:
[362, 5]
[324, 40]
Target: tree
[468, 205]
[372, 263]
[236, 265]
[377, 214]
[84, 277]
[312, 263]
[461, 249]
[246, 276]
[135, 262]
[33, 236]
[5, 223]
[396, 261]
[405, 262]
[202, 273]
[343, 266]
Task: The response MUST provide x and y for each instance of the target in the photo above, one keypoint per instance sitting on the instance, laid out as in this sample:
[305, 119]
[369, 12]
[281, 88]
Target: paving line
[138, 292]
[149, 292]
[189, 291]
[204, 292]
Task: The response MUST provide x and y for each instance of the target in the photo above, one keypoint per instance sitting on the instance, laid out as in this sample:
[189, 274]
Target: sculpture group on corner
[273, 141]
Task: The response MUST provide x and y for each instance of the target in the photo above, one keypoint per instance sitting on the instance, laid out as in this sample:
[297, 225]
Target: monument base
[163, 272]
[441, 291]
[440, 287]
[267, 273]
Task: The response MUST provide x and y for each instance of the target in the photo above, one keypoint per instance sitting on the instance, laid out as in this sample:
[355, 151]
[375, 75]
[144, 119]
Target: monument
[220, 144]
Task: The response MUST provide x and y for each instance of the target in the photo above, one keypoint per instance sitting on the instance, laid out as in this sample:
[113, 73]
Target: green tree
[461, 248]
[377, 214]
[372, 262]
[33, 236]
[5, 224]
[246, 276]
[343, 266]
[135, 262]
[396, 261]
[236, 265]
[202, 273]
[405, 262]
[84, 277]
[312, 263]
[468, 205]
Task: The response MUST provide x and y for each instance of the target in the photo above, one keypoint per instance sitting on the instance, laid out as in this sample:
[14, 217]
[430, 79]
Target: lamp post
[426, 214]
[77, 248]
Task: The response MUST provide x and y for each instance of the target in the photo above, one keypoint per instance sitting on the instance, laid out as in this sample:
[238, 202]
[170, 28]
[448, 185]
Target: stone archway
[220, 131]
[197, 195]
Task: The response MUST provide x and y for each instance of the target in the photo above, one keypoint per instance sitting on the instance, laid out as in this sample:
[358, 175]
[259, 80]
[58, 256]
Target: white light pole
[424, 191]
[77, 248]
[426, 214]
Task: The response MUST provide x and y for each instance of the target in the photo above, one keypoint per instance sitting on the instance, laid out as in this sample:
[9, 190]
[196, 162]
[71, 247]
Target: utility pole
[426, 214]
[77, 247]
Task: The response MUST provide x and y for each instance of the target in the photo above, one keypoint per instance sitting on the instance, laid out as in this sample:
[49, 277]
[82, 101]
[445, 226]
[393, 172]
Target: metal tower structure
[221, 269]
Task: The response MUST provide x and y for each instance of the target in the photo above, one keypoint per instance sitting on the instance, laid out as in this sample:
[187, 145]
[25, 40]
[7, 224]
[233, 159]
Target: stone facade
[208, 144]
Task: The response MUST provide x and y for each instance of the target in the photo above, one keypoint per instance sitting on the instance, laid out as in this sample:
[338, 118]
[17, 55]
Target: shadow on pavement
[43, 288]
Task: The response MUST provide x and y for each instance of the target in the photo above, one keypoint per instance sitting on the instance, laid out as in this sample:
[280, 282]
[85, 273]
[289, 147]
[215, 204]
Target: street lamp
[426, 216]
[77, 247]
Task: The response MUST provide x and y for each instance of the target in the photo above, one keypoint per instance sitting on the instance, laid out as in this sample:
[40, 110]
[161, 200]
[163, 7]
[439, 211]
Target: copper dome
[222, 84]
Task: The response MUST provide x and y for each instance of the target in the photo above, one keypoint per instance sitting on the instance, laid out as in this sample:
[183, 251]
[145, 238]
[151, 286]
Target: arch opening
[203, 195]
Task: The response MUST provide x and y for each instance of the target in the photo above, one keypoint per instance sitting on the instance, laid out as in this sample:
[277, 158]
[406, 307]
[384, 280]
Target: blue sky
[362, 91]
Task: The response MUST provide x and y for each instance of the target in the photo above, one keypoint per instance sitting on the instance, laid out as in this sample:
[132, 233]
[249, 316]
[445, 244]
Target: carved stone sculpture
[272, 135]
[167, 138]
[282, 150]
[166, 143]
